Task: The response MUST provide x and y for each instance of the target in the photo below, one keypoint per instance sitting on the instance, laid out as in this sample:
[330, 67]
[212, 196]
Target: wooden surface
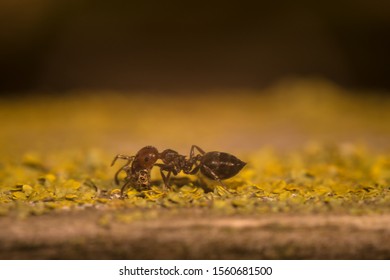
[189, 235]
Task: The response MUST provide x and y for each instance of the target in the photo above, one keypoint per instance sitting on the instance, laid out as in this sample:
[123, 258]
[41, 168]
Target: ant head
[146, 157]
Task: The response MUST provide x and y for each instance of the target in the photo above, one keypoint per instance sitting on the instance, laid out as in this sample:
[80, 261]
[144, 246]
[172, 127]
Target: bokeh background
[226, 75]
[57, 46]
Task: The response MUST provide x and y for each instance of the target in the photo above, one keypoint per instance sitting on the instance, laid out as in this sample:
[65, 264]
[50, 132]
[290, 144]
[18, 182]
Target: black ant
[214, 165]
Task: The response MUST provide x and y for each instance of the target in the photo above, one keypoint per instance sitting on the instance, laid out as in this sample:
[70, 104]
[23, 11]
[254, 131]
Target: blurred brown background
[173, 45]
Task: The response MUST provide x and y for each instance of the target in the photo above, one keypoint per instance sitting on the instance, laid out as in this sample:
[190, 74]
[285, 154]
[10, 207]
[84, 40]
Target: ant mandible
[214, 165]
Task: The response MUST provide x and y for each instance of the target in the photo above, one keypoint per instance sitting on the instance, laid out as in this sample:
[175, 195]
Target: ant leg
[165, 179]
[193, 160]
[194, 170]
[125, 167]
[125, 185]
[129, 158]
[164, 167]
[193, 147]
[215, 177]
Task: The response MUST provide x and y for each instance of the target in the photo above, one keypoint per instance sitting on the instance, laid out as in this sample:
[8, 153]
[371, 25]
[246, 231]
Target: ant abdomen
[219, 165]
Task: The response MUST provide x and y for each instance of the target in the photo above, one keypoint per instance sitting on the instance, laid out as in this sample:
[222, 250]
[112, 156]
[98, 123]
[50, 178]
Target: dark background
[62, 45]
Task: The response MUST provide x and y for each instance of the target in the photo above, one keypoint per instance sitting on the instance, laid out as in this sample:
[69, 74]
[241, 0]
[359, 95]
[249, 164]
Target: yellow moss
[71, 196]
[37, 178]
[27, 189]
[19, 196]
[71, 185]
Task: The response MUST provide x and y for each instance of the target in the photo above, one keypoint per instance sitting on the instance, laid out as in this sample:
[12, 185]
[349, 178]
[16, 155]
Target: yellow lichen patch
[65, 164]
[27, 190]
[19, 196]
[329, 180]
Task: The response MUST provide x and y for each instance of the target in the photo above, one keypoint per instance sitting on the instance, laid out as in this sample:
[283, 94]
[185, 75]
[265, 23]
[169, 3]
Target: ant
[214, 165]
